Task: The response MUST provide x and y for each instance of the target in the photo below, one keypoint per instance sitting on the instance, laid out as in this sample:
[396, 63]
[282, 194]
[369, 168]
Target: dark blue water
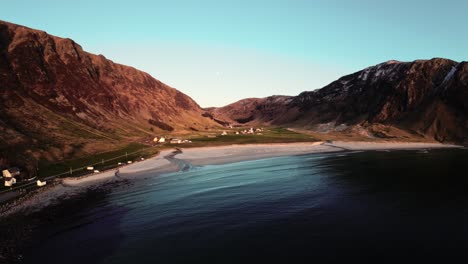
[355, 206]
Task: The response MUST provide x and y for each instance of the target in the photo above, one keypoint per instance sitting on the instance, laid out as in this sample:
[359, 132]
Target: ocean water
[372, 206]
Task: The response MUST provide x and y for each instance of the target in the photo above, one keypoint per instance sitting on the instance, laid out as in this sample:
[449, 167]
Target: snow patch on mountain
[384, 70]
[451, 73]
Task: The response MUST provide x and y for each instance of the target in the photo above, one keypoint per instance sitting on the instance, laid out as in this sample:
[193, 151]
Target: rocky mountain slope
[58, 101]
[252, 110]
[424, 98]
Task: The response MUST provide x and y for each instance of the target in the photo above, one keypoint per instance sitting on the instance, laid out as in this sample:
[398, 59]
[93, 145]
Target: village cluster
[162, 140]
[251, 130]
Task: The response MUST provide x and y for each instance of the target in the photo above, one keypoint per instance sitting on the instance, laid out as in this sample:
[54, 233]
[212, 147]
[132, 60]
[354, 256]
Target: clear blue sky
[221, 51]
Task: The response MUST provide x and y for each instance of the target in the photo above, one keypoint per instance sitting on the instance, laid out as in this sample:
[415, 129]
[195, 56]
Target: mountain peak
[392, 62]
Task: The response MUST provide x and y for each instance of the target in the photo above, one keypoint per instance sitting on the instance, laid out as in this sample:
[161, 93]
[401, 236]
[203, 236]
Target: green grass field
[271, 135]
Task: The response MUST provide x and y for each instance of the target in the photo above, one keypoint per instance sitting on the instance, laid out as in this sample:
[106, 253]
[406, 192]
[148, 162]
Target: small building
[159, 139]
[41, 183]
[11, 172]
[10, 182]
[224, 133]
[237, 132]
[90, 168]
[176, 141]
[186, 141]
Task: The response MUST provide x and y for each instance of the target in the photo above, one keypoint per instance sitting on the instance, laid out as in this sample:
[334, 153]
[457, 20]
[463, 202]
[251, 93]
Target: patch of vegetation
[206, 114]
[273, 135]
[245, 120]
[100, 161]
[161, 125]
[221, 122]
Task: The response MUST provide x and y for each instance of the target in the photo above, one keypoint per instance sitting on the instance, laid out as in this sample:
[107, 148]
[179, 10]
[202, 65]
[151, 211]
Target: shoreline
[181, 159]
[235, 153]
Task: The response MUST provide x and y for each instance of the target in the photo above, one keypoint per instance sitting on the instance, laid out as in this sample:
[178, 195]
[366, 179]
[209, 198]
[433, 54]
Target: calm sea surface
[366, 206]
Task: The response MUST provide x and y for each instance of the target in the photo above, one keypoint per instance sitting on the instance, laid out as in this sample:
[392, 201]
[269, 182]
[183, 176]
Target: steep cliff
[57, 100]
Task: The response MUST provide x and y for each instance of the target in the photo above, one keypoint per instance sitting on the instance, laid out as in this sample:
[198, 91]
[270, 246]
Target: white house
[41, 183]
[176, 141]
[159, 140]
[10, 182]
[11, 172]
[6, 174]
[224, 133]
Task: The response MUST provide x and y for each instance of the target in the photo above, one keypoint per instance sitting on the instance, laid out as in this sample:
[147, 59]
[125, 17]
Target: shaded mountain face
[57, 99]
[252, 110]
[424, 98]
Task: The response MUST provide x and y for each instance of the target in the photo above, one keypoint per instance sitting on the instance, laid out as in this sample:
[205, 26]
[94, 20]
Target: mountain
[252, 110]
[426, 99]
[59, 101]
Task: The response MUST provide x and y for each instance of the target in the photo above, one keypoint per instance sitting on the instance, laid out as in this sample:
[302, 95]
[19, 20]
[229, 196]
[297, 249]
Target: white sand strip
[235, 153]
[356, 145]
[157, 162]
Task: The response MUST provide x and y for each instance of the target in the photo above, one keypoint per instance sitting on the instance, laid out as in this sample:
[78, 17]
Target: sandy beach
[167, 161]
[350, 145]
[235, 153]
